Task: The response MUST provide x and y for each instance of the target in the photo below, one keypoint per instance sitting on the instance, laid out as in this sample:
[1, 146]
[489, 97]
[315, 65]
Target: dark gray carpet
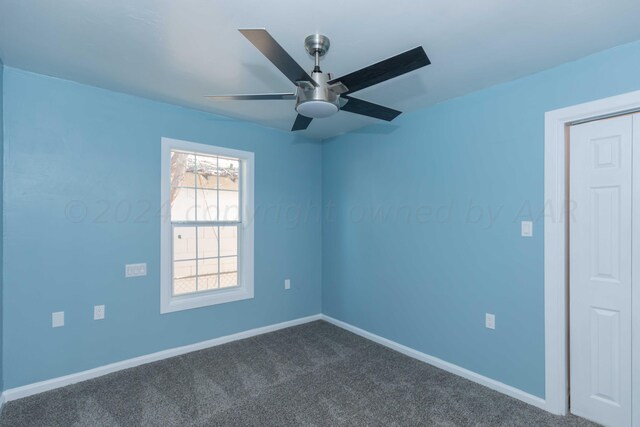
[314, 374]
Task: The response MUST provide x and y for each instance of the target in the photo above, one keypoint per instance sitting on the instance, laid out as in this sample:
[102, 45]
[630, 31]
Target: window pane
[207, 205]
[229, 173]
[207, 242]
[228, 241]
[229, 206]
[184, 243]
[184, 277]
[207, 274]
[207, 171]
[228, 272]
[183, 204]
[182, 168]
[204, 188]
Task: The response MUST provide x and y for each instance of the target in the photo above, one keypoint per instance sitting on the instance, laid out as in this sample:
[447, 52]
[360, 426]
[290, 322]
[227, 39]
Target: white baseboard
[39, 387]
[439, 363]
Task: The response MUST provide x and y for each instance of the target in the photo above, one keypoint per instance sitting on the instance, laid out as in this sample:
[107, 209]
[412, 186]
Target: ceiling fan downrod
[317, 45]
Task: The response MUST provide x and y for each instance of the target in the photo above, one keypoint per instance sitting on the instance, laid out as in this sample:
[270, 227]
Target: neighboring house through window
[206, 232]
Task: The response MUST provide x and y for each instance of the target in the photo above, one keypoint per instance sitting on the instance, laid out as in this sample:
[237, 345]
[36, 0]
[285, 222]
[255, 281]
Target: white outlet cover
[287, 284]
[526, 228]
[57, 319]
[135, 270]
[98, 312]
[490, 321]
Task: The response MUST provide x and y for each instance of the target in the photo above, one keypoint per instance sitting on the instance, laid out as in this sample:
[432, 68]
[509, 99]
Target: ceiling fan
[319, 95]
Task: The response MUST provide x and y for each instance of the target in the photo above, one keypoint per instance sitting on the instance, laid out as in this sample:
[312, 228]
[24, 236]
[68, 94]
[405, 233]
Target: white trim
[555, 262]
[635, 295]
[439, 363]
[168, 303]
[39, 387]
[42, 386]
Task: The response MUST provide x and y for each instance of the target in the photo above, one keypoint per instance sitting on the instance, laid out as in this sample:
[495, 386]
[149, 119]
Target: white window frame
[170, 303]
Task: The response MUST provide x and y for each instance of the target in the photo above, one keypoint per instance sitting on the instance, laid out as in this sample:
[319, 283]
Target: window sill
[187, 302]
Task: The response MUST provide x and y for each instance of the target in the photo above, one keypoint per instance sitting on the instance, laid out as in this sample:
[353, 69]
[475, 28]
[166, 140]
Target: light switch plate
[98, 312]
[490, 321]
[287, 284]
[135, 270]
[57, 319]
[526, 228]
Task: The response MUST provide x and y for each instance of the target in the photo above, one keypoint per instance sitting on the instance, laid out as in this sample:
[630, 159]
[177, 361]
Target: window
[206, 235]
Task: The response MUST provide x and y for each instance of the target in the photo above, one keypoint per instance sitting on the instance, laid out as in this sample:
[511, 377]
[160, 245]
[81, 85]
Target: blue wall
[455, 180]
[68, 146]
[1, 216]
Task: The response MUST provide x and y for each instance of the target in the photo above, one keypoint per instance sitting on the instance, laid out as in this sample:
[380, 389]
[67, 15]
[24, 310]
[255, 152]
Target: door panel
[600, 270]
[605, 346]
[605, 234]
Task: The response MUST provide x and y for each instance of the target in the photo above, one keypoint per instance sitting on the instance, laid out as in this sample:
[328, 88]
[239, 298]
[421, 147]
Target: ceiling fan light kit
[317, 109]
[319, 95]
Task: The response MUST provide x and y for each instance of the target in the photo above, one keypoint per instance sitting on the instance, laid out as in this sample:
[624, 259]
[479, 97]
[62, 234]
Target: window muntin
[205, 195]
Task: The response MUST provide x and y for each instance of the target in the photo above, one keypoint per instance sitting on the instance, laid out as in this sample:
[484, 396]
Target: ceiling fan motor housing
[317, 101]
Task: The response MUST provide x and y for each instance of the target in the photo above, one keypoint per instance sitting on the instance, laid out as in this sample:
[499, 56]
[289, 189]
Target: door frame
[555, 246]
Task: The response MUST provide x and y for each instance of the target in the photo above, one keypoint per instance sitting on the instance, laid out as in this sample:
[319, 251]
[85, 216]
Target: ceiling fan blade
[384, 70]
[270, 48]
[366, 108]
[256, 97]
[301, 123]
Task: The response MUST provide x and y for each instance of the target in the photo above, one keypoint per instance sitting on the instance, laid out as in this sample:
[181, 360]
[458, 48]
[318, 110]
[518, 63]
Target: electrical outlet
[490, 321]
[98, 312]
[135, 270]
[526, 228]
[57, 319]
[287, 284]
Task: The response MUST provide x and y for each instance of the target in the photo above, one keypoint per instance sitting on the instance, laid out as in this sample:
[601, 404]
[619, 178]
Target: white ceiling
[179, 50]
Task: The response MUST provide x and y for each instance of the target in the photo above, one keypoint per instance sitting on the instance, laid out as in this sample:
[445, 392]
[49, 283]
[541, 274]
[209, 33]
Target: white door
[600, 270]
